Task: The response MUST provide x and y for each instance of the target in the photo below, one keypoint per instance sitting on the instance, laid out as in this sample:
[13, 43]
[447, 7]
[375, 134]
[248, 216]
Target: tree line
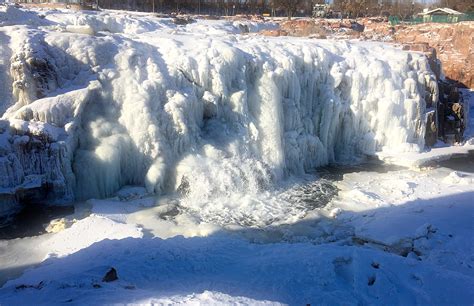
[346, 8]
[401, 8]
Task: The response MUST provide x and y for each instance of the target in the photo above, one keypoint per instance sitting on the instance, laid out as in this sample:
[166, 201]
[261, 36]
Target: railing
[394, 20]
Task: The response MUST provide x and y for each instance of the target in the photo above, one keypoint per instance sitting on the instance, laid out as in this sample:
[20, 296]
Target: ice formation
[95, 101]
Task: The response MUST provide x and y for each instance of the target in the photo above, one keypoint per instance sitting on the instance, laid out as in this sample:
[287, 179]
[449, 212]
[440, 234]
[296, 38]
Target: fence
[394, 20]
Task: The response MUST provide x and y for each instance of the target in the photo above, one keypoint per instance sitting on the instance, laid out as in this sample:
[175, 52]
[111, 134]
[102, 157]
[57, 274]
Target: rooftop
[446, 10]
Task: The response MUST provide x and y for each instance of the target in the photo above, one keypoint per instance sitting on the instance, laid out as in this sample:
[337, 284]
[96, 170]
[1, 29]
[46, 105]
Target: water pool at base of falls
[287, 203]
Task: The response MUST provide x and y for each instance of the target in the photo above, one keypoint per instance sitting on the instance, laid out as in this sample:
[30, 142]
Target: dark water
[31, 220]
[336, 172]
[319, 192]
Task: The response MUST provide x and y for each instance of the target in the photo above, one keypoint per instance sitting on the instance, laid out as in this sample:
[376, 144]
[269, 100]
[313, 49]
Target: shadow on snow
[349, 269]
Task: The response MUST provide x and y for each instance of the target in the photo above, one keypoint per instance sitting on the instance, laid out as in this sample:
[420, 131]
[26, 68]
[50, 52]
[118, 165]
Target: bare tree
[459, 5]
[290, 6]
[357, 8]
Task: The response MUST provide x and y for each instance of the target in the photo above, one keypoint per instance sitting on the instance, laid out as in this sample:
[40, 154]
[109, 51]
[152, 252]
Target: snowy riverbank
[398, 237]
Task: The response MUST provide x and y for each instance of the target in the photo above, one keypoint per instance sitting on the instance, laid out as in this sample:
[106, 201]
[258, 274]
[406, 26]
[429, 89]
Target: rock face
[304, 28]
[318, 28]
[449, 49]
[454, 44]
[34, 156]
[273, 33]
[110, 276]
[451, 113]
[431, 135]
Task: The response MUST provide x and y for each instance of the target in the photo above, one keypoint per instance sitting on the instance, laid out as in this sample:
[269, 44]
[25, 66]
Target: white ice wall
[172, 110]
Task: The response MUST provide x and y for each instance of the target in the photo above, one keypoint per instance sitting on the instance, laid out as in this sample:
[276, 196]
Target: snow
[9, 15]
[19, 253]
[193, 148]
[394, 243]
[436, 196]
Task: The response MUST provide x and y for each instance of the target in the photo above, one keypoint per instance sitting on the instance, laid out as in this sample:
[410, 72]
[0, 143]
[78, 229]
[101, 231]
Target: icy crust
[135, 23]
[175, 109]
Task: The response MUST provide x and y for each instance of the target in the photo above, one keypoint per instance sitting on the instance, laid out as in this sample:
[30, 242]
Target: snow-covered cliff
[96, 101]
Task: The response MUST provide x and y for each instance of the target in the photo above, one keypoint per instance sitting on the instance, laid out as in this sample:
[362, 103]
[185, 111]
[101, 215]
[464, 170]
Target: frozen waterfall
[177, 110]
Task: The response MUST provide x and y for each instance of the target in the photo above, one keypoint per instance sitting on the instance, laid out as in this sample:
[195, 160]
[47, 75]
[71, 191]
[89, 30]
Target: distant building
[441, 15]
[321, 10]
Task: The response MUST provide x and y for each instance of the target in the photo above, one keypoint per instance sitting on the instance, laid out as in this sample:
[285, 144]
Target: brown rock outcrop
[454, 44]
[273, 33]
[303, 27]
[317, 28]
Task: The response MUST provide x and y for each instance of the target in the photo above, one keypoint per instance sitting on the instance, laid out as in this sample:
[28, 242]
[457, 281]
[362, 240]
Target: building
[441, 15]
[321, 10]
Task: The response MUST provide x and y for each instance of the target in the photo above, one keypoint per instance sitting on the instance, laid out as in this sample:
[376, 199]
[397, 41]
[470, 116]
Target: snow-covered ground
[400, 237]
[216, 129]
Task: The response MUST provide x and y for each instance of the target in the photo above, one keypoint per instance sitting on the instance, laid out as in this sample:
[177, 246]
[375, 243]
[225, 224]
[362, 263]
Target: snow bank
[10, 15]
[86, 232]
[17, 254]
[236, 271]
